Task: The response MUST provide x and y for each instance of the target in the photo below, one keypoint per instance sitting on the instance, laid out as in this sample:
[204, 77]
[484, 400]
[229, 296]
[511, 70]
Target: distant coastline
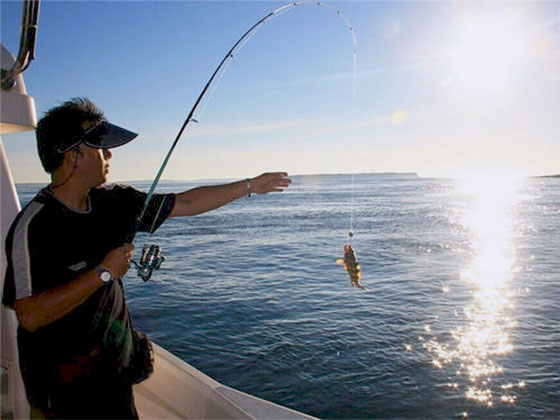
[547, 176]
[388, 174]
[220, 180]
[215, 180]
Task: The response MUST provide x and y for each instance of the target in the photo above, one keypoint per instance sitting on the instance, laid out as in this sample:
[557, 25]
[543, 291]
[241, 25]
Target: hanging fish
[352, 266]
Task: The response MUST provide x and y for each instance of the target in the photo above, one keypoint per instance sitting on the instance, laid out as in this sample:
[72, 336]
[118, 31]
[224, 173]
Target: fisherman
[68, 251]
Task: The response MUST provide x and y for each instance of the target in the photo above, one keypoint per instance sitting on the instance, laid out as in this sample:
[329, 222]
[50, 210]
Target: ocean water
[461, 318]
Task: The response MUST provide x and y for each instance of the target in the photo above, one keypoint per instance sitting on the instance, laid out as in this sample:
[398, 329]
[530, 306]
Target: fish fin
[358, 285]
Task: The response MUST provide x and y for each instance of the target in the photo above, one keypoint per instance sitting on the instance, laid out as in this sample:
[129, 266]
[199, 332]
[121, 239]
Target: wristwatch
[104, 274]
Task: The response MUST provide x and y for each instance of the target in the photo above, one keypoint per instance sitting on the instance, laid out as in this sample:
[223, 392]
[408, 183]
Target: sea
[460, 318]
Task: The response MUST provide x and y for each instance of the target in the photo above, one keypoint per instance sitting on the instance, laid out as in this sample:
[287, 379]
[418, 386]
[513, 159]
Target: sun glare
[486, 52]
[483, 337]
[490, 221]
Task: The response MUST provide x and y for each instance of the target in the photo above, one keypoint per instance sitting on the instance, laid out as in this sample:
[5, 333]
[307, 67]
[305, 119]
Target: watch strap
[100, 270]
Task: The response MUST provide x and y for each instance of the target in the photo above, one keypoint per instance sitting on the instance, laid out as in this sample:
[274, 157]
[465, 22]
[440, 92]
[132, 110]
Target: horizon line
[218, 179]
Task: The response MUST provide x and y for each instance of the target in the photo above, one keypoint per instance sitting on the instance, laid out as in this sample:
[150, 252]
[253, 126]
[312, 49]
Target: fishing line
[150, 260]
[351, 231]
[354, 62]
[354, 66]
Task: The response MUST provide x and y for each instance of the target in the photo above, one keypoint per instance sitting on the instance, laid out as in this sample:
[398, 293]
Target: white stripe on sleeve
[20, 251]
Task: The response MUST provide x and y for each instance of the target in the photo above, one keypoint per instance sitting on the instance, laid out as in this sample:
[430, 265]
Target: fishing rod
[152, 256]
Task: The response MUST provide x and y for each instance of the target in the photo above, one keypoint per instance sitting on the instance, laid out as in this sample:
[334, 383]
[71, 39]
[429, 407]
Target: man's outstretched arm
[202, 199]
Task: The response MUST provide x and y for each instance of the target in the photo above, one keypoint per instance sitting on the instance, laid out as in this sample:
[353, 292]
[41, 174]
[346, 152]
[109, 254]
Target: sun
[486, 51]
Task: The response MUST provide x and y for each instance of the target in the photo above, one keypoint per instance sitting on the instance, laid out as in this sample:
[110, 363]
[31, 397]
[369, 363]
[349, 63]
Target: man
[68, 251]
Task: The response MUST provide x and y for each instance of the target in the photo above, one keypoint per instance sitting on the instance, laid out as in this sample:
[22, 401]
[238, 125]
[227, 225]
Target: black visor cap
[103, 135]
[106, 136]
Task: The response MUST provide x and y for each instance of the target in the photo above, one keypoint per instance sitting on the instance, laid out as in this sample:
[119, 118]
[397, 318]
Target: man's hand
[270, 182]
[41, 309]
[117, 261]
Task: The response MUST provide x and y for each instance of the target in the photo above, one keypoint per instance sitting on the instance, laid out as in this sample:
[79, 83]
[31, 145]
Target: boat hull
[178, 390]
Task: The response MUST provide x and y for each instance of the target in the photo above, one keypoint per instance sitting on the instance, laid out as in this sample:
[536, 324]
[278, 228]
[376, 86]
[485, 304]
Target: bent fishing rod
[152, 256]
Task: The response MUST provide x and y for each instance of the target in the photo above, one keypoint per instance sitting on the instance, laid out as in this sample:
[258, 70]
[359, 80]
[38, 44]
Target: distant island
[547, 176]
[358, 174]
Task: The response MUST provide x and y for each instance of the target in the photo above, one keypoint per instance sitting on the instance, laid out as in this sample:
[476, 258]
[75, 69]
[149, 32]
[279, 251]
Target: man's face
[93, 164]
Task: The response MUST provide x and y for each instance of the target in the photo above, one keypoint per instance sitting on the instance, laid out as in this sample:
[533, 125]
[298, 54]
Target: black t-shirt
[49, 245]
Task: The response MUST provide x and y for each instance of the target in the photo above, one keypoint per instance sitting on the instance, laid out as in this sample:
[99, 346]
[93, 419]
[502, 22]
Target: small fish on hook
[351, 265]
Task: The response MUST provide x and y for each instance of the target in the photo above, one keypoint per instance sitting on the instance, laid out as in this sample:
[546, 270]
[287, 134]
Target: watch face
[106, 276]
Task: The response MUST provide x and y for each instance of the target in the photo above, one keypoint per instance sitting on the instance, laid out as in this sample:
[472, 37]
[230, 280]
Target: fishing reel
[151, 260]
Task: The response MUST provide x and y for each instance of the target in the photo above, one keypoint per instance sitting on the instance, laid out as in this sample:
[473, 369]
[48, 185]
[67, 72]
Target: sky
[438, 88]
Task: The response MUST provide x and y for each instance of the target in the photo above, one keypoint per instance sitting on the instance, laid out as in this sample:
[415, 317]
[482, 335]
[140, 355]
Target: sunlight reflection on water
[483, 335]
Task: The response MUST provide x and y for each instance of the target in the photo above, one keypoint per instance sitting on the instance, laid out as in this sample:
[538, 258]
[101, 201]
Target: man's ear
[71, 156]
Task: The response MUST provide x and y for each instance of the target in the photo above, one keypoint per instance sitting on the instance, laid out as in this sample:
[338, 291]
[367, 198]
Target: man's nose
[107, 154]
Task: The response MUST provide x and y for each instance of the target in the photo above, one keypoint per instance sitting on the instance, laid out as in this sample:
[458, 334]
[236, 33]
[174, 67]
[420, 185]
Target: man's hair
[60, 126]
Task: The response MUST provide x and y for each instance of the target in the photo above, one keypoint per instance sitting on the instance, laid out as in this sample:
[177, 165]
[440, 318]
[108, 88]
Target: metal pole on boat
[29, 22]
